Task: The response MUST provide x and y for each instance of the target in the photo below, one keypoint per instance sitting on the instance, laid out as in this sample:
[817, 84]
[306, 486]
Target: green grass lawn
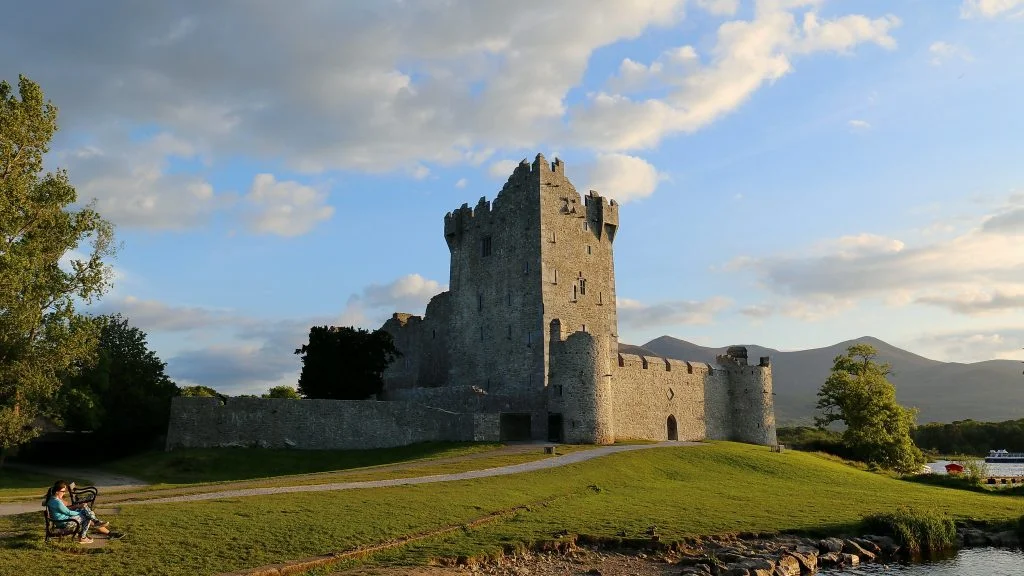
[722, 487]
[189, 466]
[414, 469]
[20, 484]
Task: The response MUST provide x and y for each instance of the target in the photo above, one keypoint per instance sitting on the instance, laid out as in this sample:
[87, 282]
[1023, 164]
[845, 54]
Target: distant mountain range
[942, 391]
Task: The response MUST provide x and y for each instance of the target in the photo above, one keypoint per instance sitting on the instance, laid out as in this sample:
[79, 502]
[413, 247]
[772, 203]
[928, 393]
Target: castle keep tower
[538, 254]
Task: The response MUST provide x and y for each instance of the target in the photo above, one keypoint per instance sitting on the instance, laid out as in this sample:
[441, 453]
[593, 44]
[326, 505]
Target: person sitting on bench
[60, 513]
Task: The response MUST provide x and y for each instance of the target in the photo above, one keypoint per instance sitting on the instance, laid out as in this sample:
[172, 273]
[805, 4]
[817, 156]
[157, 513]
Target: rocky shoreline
[740, 555]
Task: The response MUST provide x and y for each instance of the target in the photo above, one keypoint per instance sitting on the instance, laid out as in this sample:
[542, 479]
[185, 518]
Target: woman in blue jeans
[54, 502]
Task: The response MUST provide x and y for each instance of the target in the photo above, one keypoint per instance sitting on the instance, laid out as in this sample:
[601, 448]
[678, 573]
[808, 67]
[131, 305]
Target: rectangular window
[526, 267]
[588, 249]
[485, 246]
[584, 328]
[552, 236]
[583, 287]
[480, 302]
[509, 336]
[573, 293]
[509, 298]
[586, 226]
[555, 281]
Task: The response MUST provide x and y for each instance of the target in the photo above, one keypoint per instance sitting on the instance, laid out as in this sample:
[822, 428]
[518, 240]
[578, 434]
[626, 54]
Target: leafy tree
[970, 437]
[200, 391]
[345, 363]
[124, 396]
[286, 392]
[42, 338]
[877, 428]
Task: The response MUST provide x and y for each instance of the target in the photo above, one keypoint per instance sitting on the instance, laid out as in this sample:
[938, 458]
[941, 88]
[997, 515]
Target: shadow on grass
[11, 478]
[25, 532]
[187, 466]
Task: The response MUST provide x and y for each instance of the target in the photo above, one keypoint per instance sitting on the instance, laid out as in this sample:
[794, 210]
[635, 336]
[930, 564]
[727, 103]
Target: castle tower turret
[751, 399]
[580, 375]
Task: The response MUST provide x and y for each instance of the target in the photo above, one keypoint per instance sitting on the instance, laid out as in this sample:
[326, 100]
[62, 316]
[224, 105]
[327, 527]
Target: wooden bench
[81, 496]
[59, 530]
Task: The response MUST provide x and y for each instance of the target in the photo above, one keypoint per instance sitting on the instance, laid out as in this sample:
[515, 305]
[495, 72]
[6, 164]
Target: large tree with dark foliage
[344, 363]
[859, 394]
[124, 396]
[42, 273]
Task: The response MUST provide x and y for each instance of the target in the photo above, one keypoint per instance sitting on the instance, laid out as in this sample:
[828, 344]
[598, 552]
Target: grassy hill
[710, 489]
[942, 391]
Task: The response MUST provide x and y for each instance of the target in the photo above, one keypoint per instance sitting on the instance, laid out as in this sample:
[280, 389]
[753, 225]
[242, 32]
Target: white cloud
[944, 51]
[980, 271]
[719, 7]
[461, 183]
[419, 172]
[634, 314]
[284, 208]
[991, 8]
[977, 346]
[502, 168]
[621, 177]
[859, 125]
[132, 184]
[403, 85]
[746, 56]
[250, 354]
[156, 316]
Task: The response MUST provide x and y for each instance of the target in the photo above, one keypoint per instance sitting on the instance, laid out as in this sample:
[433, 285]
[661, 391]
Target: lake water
[939, 467]
[969, 562]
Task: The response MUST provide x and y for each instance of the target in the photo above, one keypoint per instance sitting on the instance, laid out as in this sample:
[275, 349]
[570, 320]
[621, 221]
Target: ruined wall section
[576, 236]
[580, 377]
[647, 390]
[314, 424]
[423, 342]
[496, 324]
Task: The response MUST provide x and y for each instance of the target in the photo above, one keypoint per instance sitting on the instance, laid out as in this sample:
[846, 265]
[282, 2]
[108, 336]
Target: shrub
[976, 470]
[917, 531]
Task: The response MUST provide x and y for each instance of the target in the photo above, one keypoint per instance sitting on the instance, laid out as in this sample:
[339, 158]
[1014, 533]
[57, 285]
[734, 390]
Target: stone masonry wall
[752, 402]
[717, 401]
[579, 368]
[576, 236]
[467, 399]
[423, 342]
[496, 323]
[648, 390]
[312, 424]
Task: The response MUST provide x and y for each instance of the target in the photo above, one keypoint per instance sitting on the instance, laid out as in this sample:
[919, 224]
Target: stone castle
[523, 345]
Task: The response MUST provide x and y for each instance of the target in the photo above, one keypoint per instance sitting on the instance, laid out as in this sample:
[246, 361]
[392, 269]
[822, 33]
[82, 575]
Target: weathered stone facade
[524, 344]
[531, 272]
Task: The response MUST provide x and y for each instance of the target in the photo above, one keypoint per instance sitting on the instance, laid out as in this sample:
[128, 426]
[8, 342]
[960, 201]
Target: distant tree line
[971, 437]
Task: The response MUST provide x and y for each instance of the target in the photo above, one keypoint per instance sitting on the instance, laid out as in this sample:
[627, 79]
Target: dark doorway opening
[515, 427]
[673, 430]
[554, 427]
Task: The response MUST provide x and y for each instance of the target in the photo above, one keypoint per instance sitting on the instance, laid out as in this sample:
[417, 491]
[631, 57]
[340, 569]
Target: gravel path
[122, 484]
[501, 471]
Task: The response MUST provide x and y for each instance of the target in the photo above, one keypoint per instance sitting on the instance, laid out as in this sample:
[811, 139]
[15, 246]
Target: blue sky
[792, 173]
